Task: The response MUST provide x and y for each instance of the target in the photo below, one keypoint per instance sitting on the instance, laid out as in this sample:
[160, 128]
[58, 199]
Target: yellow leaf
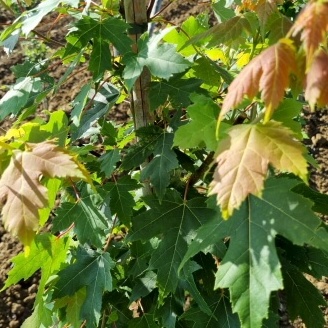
[316, 90]
[269, 73]
[312, 24]
[243, 160]
[21, 191]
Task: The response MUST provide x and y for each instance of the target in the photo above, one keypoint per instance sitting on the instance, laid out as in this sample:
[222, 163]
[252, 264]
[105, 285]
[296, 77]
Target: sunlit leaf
[251, 268]
[316, 91]
[312, 25]
[177, 221]
[243, 160]
[162, 59]
[21, 190]
[267, 73]
[88, 216]
[93, 271]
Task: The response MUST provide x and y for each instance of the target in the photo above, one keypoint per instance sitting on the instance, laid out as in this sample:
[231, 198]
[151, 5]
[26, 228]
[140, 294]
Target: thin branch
[110, 236]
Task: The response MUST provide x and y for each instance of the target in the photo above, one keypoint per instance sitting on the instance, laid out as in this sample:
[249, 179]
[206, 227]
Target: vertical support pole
[136, 16]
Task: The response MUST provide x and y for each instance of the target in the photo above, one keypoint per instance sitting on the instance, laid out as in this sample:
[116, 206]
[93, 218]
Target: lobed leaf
[102, 32]
[159, 168]
[243, 160]
[121, 200]
[177, 220]
[178, 91]
[163, 60]
[267, 73]
[303, 299]
[48, 254]
[88, 216]
[93, 271]
[21, 191]
[20, 96]
[201, 130]
[316, 90]
[251, 268]
[312, 25]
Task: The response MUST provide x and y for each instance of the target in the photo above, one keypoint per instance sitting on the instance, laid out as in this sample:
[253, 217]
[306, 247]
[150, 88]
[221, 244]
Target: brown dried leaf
[269, 73]
[316, 91]
[243, 160]
[21, 191]
[312, 23]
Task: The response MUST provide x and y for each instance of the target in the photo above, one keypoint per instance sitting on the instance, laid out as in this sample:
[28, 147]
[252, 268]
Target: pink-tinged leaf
[243, 160]
[312, 23]
[264, 8]
[316, 91]
[21, 191]
[268, 73]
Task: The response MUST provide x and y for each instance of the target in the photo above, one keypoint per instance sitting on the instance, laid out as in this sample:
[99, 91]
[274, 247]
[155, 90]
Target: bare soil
[16, 302]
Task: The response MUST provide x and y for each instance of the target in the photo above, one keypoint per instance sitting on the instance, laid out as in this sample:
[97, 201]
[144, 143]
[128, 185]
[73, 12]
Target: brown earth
[16, 302]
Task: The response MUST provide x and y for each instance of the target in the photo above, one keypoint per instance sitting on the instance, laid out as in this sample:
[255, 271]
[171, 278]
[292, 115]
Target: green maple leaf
[141, 253]
[20, 96]
[278, 25]
[47, 253]
[170, 311]
[228, 32]
[201, 129]
[210, 72]
[143, 286]
[222, 314]
[251, 268]
[164, 161]
[137, 154]
[162, 60]
[102, 32]
[178, 91]
[287, 111]
[93, 271]
[177, 220]
[190, 27]
[121, 200]
[109, 161]
[35, 15]
[83, 122]
[303, 299]
[41, 317]
[320, 201]
[190, 285]
[72, 305]
[87, 214]
[41, 256]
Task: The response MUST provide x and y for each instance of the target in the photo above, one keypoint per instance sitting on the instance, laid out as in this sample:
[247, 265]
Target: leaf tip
[27, 251]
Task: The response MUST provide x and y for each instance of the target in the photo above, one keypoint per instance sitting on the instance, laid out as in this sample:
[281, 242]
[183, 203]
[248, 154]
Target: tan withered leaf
[312, 23]
[268, 73]
[316, 91]
[21, 191]
[243, 160]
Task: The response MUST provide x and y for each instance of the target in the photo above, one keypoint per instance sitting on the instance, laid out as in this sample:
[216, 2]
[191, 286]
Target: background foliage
[230, 219]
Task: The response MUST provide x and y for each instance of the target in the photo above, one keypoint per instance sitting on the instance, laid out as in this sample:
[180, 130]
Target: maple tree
[201, 215]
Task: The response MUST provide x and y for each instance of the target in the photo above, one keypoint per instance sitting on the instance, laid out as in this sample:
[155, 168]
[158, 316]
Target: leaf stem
[199, 173]
[110, 236]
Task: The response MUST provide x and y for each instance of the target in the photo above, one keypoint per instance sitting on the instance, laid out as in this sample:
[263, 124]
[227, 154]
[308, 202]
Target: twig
[199, 173]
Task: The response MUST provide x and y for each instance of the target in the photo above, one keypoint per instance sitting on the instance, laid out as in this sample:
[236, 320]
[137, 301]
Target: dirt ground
[16, 302]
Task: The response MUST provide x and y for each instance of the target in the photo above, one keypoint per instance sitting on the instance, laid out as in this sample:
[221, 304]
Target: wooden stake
[136, 16]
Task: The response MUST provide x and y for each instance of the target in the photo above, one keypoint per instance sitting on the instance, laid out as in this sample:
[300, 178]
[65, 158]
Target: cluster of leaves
[117, 257]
